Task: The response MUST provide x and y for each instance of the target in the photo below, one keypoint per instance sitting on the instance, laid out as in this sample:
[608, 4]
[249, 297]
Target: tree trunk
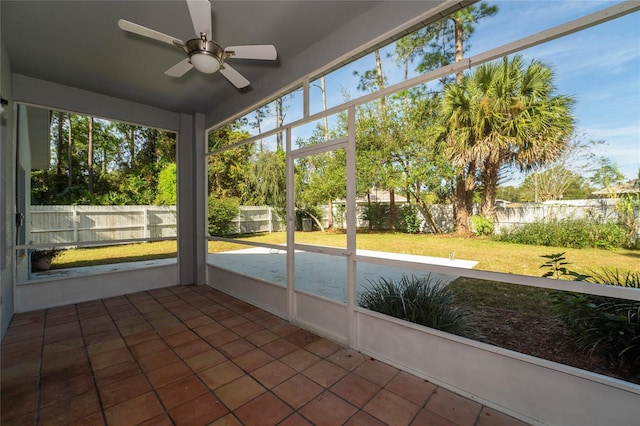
[279, 121]
[258, 120]
[324, 108]
[490, 184]
[460, 212]
[69, 155]
[459, 32]
[392, 209]
[132, 147]
[60, 145]
[383, 103]
[470, 187]
[424, 208]
[369, 205]
[330, 220]
[315, 219]
[383, 106]
[90, 156]
[465, 181]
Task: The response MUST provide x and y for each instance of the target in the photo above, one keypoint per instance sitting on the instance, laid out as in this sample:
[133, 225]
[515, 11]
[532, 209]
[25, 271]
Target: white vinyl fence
[597, 209]
[509, 217]
[76, 224]
[257, 219]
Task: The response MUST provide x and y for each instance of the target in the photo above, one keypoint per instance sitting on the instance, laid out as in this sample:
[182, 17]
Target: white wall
[43, 294]
[531, 389]
[7, 165]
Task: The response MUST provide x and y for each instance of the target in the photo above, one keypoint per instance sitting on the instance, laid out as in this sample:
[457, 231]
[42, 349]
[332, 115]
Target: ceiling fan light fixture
[206, 56]
[205, 63]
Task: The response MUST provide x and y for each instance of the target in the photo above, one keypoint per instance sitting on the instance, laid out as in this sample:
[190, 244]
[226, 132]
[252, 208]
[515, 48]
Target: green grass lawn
[490, 255]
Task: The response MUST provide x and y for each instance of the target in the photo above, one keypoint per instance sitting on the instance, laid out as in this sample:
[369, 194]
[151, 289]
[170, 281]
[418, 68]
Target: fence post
[270, 212]
[145, 231]
[74, 219]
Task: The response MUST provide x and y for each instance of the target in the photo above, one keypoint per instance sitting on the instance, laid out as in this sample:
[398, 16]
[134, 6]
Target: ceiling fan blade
[200, 11]
[179, 69]
[259, 51]
[234, 77]
[148, 32]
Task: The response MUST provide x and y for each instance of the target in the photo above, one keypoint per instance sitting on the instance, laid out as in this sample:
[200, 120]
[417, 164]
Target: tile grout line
[324, 389]
[36, 411]
[86, 350]
[142, 370]
[211, 391]
[246, 373]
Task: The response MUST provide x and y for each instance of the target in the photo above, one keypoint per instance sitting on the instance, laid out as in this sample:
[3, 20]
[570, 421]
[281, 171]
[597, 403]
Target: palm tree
[505, 114]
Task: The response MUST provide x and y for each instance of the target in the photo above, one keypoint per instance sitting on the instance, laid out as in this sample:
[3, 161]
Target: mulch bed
[544, 338]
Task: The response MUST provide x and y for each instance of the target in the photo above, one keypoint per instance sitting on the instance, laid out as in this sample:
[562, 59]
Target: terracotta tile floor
[194, 356]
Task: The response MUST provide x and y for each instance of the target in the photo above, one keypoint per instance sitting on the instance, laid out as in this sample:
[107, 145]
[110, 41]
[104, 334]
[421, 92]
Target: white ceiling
[78, 44]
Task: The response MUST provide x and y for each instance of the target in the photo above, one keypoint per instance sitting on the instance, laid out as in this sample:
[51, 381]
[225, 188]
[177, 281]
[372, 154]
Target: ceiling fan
[204, 54]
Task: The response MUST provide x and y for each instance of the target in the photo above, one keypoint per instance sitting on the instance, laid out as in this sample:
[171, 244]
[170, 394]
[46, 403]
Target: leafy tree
[607, 175]
[555, 183]
[510, 193]
[88, 162]
[417, 152]
[167, 186]
[445, 42]
[565, 176]
[319, 178]
[505, 113]
[229, 170]
[270, 171]
[376, 138]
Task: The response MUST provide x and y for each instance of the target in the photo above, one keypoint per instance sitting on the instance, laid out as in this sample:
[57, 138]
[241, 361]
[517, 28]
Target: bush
[409, 221]
[604, 325]
[222, 212]
[377, 214]
[418, 300]
[481, 225]
[608, 235]
[573, 233]
[167, 186]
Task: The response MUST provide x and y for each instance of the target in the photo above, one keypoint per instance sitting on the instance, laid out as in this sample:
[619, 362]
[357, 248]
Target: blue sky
[599, 67]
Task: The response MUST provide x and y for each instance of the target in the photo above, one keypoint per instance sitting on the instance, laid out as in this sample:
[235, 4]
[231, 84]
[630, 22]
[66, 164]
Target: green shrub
[601, 324]
[377, 214]
[222, 212]
[608, 235]
[409, 221]
[167, 186]
[605, 325]
[418, 300]
[481, 225]
[573, 233]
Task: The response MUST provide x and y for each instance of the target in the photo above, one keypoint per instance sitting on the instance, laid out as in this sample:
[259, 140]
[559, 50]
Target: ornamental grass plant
[420, 300]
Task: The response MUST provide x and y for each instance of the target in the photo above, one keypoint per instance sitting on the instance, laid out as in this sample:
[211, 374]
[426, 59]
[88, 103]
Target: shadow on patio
[192, 355]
